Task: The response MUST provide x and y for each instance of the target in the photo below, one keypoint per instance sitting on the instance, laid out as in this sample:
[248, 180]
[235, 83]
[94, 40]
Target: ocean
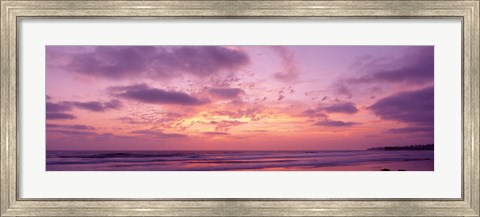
[239, 160]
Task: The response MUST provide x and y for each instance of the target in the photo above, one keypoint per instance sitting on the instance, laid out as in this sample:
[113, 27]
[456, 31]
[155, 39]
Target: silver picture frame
[13, 11]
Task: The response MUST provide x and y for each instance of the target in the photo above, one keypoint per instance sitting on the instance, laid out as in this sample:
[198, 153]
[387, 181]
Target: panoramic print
[240, 108]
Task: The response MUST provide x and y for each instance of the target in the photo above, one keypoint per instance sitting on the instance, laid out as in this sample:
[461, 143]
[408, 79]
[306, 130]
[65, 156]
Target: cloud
[74, 132]
[331, 123]
[216, 133]
[79, 132]
[111, 61]
[96, 106]
[72, 127]
[225, 125]
[164, 119]
[343, 107]
[117, 62]
[416, 66]
[254, 113]
[146, 94]
[59, 115]
[226, 93]
[320, 112]
[411, 130]
[158, 134]
[317, 112]
[59, 110]
[340, 87]
[413, 107]
[58, 107]
[290, 70]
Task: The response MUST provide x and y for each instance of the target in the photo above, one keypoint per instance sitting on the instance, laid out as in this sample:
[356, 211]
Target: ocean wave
[226, 160]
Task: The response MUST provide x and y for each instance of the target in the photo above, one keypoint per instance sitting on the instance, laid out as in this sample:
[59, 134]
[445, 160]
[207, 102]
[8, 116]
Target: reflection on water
[239, 160]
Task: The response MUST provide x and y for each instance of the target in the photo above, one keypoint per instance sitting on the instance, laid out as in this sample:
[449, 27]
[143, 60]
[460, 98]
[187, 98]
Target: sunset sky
[238, 97]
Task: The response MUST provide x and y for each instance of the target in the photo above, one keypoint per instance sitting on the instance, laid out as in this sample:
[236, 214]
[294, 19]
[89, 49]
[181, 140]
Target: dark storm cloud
[226, 93]
[116, 62]
[59, 116]
[413, 107]
[331, 123]
[146, 94]
[158, 134]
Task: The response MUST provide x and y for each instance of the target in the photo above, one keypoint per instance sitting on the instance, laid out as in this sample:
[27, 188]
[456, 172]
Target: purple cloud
[416, 67]
[411, 130]
[157, 118]
[59, 115]
[340, 88]
[58, 111]
[331, 123]
[413, 107]
[58, 107]
[146, 94]
[226, 93]
[225, 125]
[111, 61]
[72, 127]
[73, 132]
[254, 113]
[117, 62]
[317, 112]
[216, 133]
[81, 133]
[158, 134]
[96, 106]
[290, 71]
[343, 107]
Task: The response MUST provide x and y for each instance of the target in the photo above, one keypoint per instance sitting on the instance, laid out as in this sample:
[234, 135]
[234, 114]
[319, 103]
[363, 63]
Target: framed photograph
[240, 108]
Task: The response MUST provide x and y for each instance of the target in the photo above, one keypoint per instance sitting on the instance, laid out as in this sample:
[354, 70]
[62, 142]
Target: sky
[238, 97]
